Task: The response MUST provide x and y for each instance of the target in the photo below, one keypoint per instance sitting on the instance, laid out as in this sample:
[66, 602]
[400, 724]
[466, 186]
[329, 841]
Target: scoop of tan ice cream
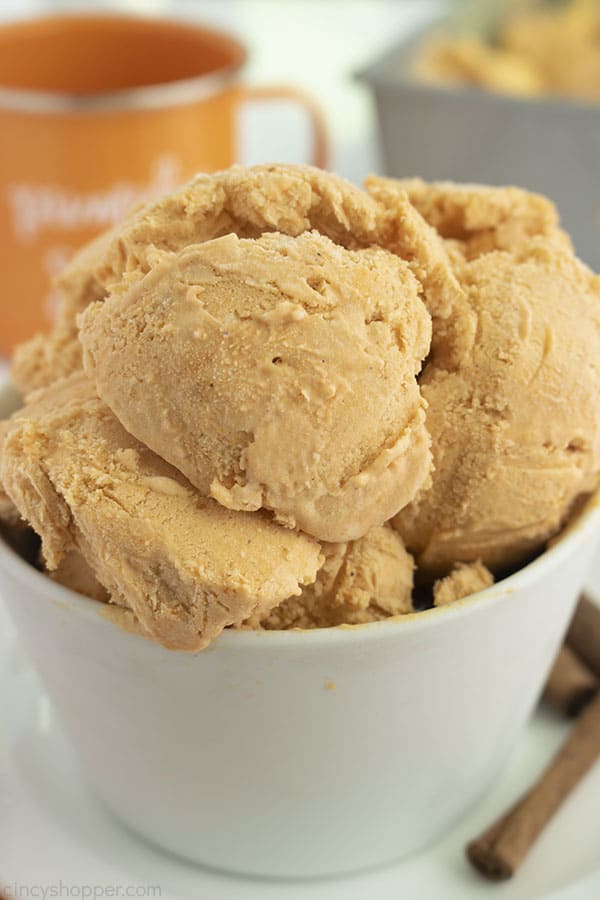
[277, 373]
[240, 200]
[464, 579]
[75, 573]
[512, 382]
[361, 581]
[473, 219]
[186, 567]
[415, 240]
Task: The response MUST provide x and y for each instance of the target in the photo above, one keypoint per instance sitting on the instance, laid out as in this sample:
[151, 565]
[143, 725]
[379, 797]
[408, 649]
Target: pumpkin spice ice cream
[512, 382]
[182, 563]
[298, 396]
[359, 582]
[243, 201]
[275, 373]
[464, 579]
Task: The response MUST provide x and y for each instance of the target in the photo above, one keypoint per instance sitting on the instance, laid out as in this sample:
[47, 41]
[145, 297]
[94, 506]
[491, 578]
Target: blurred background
[316, 44]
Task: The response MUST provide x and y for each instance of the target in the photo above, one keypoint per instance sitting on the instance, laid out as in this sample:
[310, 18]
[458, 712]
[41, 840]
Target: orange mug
[99, 113]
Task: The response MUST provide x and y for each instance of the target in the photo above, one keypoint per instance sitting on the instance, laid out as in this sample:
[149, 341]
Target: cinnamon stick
[570, 685]
[583, 635]
[499, 851]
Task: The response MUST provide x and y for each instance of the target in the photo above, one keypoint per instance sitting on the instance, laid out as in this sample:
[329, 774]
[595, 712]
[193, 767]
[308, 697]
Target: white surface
[52, 831]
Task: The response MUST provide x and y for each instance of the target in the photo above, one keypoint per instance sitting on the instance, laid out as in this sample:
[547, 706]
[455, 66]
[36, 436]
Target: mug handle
[320, 131]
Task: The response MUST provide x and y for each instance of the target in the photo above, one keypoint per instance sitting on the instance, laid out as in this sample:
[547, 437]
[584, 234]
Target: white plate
[54, 834]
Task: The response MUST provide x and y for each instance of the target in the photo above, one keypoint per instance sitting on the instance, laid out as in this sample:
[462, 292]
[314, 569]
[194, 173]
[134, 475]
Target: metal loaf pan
[549, 145]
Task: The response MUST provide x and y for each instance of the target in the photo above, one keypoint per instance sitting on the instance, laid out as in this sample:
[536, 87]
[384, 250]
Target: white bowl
[302, 753]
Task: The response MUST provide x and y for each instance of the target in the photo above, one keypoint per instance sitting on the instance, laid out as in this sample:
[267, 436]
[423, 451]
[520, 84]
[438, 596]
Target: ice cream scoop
[359, 582]
[473, 218]
[512, 383]
[240, 200]
[184, 565]
[464, 579]
[75, 573]
[275, 373]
